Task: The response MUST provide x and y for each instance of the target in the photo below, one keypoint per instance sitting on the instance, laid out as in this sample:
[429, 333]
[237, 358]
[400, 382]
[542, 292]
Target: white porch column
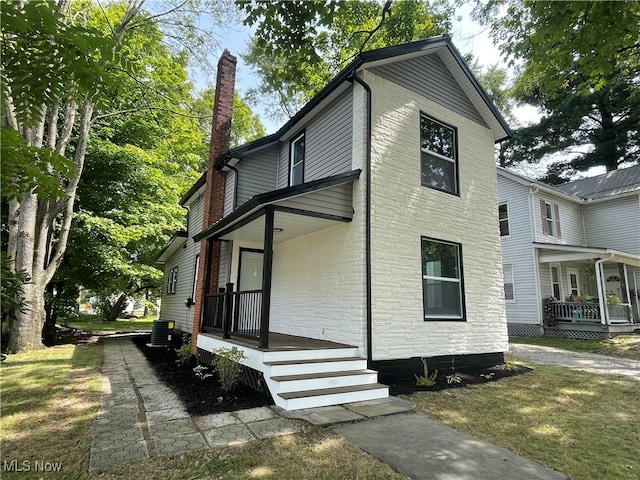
[602, 300]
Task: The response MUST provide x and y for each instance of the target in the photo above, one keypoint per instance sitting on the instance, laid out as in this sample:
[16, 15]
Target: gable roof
[616, 182]
[440, 45]
[537, 184]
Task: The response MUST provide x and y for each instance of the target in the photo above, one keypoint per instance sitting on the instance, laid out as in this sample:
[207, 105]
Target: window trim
[550, 224]
[172, 282]
[506, 205]
[455, 160]
[573, 271]
[460, 281]
[295, 139]
[513, 283]
[196, 267]
[551, 267]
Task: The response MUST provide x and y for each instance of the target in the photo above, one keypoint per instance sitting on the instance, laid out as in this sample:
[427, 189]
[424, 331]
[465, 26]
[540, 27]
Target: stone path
[141, 418]
[589, 362]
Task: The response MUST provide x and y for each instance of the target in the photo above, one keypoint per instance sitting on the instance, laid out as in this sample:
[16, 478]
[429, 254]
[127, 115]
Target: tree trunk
[26, 330]
[116, 309]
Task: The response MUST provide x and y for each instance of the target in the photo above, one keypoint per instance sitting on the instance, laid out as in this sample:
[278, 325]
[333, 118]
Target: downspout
[536, 264]
[367, 221]
[235, 182]
[601, 293]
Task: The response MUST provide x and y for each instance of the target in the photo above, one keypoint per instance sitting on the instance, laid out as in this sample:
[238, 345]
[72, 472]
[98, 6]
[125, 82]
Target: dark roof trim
[274, 196]
[196, 186]
[180, 234]
[346, 73]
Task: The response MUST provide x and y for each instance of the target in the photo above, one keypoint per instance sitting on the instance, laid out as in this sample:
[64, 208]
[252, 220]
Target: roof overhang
[551, 253]
[175, 242]
[299, 210]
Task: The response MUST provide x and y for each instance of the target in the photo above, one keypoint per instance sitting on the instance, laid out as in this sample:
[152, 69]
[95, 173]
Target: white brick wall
[403, 211]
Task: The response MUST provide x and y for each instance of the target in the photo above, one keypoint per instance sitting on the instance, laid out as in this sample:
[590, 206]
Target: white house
[571, 254]
[358, 239]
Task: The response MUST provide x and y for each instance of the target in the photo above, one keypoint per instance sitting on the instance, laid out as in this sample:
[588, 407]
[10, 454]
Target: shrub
[428, 379]
[227, 364]
[184, 352]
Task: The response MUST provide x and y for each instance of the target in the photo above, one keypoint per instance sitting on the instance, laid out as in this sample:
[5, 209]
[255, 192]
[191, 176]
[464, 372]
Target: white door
[573, 280]
[250, 277]
[612, 285]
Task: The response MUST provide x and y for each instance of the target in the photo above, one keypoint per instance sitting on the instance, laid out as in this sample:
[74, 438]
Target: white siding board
[571, 226]
[614, 224]
[517, 250]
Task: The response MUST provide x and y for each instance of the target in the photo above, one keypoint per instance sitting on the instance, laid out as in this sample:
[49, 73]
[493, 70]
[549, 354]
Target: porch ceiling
[550, 253]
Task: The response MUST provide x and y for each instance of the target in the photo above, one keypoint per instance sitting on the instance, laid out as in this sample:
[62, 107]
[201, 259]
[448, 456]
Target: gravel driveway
[589, 362]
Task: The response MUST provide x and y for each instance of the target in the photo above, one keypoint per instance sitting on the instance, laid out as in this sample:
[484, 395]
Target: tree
[58, 60]
[579, 63]
[300, 45]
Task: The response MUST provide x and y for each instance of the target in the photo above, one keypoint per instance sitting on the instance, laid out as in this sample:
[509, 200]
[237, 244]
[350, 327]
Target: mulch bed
[203, 397]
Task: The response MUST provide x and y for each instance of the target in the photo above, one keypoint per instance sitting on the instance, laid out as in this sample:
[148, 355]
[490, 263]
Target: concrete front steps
[318, 378]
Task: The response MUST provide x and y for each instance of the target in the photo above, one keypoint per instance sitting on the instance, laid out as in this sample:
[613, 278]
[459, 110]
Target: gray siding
[614, 224]
[517, 250]
[225, 264]
[429, 77]
[257, 174]
[327, 143]
[172, 306]
[571, 226]
[332, 201]
[230, 183]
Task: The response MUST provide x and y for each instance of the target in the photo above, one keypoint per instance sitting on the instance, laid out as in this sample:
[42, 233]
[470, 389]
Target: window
[555, 282]
[550, 218]
[503, 219]
[172, 280]
[442, 284]
[195, 279]
[439, 162]
[574, 281]
[296, 160]
[509, 291]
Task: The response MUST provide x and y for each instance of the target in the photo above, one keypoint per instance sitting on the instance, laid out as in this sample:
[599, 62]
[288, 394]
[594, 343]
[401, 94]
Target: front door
[250, 271]
[574, 282]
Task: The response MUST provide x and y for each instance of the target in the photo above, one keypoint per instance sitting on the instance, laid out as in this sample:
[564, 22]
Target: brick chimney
[216, 180]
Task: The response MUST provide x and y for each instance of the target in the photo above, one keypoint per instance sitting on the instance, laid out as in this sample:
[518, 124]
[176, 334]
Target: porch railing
[233, 313]
[589, 312]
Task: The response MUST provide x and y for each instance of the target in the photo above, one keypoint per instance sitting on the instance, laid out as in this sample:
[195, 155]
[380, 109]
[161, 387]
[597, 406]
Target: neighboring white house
[571, 254]
[360, 237]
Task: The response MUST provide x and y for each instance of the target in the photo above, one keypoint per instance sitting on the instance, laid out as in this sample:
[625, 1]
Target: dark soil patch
[200, 397]
[445, 380]
[203, 397]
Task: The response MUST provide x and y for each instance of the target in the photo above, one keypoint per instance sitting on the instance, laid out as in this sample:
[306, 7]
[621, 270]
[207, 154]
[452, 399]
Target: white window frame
[172, 281]
[573, 271]
[550, 218]
[512, 282]
[459, 281]
[453, 159]
[559, 282]
[195, 279]
[299, 163]
[504, 220]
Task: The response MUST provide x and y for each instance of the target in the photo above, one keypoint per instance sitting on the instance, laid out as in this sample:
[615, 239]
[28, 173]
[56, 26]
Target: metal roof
[612, 183]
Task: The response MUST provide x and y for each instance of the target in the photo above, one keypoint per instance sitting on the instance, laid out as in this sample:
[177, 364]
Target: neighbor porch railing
[589, 312]
[233, 313]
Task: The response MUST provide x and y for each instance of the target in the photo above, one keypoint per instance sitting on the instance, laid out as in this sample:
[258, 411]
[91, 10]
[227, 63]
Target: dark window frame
[455, 160]
[463, 307]
[505, 220]
[301, 135]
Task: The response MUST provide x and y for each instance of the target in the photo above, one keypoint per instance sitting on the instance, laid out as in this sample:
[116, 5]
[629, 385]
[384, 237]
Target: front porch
[303, 372]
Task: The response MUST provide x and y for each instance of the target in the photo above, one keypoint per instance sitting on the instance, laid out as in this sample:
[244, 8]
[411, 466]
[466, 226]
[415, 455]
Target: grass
[581, 424]
[49, 400]
[317, 454]
[626, 346]
[93, 323]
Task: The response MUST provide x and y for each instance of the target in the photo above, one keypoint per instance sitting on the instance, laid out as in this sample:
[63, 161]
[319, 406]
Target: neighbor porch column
[266, 277]
[602, 291]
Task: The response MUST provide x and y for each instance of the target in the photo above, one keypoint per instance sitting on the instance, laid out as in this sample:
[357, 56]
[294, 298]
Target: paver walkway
[140, 417]
[589, 362]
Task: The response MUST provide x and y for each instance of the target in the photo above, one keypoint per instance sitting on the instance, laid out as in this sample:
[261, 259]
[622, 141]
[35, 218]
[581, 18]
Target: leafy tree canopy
[579, 63]
[300, 45]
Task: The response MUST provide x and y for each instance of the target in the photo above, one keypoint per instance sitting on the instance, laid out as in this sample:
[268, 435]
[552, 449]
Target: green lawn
[581, 424]
[626, 346]
[93, 323]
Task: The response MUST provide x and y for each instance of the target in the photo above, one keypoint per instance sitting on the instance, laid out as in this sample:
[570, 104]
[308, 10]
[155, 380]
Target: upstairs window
[503, 219]
[296, 160]
[550, 213]
[172, 281]
[439, 156]
[442, 285]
